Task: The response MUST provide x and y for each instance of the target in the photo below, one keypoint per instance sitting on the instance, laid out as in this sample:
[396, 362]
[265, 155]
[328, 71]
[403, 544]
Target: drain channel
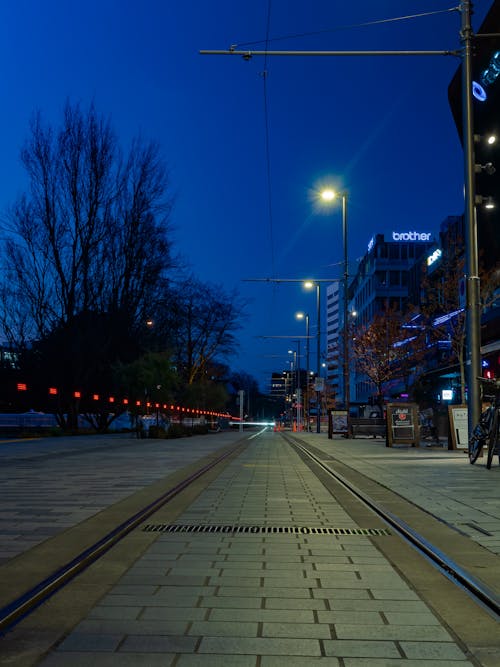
[275, 530]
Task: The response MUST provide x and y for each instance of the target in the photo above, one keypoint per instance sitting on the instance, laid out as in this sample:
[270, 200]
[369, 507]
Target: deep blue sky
[379, 127]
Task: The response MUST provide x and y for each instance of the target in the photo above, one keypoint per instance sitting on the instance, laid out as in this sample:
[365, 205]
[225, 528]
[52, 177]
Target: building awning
[490, 347]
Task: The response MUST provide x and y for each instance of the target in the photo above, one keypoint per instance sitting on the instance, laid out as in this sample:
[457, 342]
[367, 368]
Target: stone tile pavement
[51, 484]
[262, 600]
[440, 481]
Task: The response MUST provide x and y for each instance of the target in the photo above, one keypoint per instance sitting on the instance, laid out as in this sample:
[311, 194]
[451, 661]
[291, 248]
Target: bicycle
[427, 426]
[487, 431]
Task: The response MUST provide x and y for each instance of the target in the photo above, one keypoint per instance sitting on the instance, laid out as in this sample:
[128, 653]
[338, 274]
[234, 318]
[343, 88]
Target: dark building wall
[486, 120]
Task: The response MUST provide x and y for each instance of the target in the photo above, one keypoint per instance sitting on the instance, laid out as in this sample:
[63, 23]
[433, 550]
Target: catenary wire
[341, 28]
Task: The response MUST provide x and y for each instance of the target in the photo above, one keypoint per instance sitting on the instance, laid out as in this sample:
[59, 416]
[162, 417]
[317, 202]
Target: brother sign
[411, 236]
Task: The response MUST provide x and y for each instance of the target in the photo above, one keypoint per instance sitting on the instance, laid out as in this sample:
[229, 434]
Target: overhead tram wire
[365, 24]
[267, 144]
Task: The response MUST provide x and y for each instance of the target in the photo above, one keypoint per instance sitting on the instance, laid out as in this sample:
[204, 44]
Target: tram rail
[22, 606]
[25, 604]
[476, 589]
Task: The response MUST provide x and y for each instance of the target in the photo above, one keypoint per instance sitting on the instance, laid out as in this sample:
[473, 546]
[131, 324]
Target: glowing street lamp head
[308, 284]
[327, 195]
[299, 316]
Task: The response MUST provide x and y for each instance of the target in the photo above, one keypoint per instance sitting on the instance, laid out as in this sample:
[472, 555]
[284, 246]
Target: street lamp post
[301, 316]
[309, 284]
[328, 195]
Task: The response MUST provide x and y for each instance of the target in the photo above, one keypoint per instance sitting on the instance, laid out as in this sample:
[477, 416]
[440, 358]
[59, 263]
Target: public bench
[373, 426]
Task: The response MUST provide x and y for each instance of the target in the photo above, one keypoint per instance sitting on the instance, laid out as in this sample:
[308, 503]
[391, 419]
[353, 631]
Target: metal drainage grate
[275, 530]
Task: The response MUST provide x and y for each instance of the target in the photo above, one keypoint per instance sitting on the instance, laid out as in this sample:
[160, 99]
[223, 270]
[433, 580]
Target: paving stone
[173, 613]
[346, 617]
[411, 618]
[121, 612]
[401, 662]
[260, 615]
[86, 641]
[159, 599]
[341, 593]
[141, 626]
[294, 603]
[308, 630]
[207, 660]
[400, 606]
[393, 594]
[294, 661]
[232, 602]
[267, 591]
[259, 646]
[432, 651]
[425, 633]
[96, 659]
[224, 628]
[158, 644]
[358, 648]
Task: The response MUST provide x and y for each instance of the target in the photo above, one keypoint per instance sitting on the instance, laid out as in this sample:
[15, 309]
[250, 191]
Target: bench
[373, 426]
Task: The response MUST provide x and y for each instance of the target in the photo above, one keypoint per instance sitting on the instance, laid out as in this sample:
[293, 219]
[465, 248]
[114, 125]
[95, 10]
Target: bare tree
[91, 234]
[201, 321]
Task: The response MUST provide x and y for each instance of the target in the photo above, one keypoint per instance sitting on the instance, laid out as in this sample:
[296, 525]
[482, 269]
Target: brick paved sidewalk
[261, 600]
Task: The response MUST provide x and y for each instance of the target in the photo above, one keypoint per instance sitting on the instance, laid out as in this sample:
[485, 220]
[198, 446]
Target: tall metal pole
[306, 398]
[347, 387]
[299, 392]
[472, 311]
[241, 394]
[318, 361]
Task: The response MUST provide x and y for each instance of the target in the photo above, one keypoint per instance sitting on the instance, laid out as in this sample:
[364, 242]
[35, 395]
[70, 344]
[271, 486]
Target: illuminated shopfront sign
[411, 236]
[434, 256]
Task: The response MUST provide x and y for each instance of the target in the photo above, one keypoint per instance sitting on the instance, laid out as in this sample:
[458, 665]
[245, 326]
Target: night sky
[380, 128]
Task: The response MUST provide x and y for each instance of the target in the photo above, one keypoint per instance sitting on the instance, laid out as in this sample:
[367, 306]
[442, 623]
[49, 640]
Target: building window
[394, 279]
[394, 251]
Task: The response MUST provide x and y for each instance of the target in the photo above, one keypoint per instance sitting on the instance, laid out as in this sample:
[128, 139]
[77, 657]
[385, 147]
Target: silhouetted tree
[90, 234]
[200, 321]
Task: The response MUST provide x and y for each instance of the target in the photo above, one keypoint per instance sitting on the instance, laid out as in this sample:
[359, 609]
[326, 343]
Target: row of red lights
[53, 391]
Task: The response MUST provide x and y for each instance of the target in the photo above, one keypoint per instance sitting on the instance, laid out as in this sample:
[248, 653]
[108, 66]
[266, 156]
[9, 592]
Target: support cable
[345, 27]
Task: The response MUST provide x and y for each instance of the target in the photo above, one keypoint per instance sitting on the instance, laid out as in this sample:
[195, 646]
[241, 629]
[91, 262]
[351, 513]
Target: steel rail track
[476, 589]
[22, 606]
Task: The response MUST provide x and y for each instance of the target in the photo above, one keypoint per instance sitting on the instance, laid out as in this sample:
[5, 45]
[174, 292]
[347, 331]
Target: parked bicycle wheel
[476, 444]
[493, 440]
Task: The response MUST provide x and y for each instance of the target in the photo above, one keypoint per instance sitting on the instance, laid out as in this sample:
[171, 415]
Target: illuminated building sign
[488, 76]
[411, 236]
[434, 256]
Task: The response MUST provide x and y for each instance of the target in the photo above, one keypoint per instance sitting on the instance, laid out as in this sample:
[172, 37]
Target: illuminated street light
[309, 284]
[305, 316]
[329, 195]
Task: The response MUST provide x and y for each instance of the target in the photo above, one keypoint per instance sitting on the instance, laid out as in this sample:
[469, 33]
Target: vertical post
[242, 407]
[318, 363]
[472, 312]
[306, 400]
[299, 393]
[347, 388]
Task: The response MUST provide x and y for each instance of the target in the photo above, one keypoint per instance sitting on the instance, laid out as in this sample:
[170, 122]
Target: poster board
[402, 424]
[459, 429]
[339, 422]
